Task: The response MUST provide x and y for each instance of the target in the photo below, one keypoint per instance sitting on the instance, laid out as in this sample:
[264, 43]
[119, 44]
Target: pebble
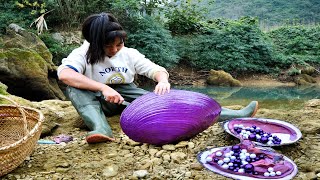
[152, 152]
[191, 145]
[110, 171]
[159, 153]
[140, 173]
[169, 147]
[181, 144]
[177, 157]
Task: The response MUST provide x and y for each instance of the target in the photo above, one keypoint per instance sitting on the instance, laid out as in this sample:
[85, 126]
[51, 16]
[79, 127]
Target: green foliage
[71, 13]
[298, 43]
[36, 7]
[57, 49]
[272, 12]
[238, 47]
[11, 13]
[184, 17]
[152, 40]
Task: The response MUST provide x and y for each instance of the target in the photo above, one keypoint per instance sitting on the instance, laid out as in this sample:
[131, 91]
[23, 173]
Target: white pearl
[243, 131]
[231, 152]
[227, 155]
[247, 154]
[226, 160]
[251, 128]
[266, 174]
[265, 134]
[272, 173]
[240, 126]
[244, 162]
[241, 170]
[242, 157]
[243, 150]
[258, 136]
[278, 173]
[253, 156]
[220, 162]
[230, 164]
[270, 138]
[269, 142]
[270, 169]
[218, 153]
[233, 158]
[257, 128]
[209, 159]
[225, 166]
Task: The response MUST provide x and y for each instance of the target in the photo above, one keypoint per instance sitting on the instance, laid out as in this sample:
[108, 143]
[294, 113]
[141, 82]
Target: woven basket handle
[25, 123]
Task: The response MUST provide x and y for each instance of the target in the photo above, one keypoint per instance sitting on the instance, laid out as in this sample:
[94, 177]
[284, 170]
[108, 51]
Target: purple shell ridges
[168, 118]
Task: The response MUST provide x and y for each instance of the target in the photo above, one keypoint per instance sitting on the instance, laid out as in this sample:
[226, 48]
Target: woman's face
[113, 48]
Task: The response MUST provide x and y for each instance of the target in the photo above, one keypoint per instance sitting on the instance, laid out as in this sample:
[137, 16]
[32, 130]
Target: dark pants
[93, 108]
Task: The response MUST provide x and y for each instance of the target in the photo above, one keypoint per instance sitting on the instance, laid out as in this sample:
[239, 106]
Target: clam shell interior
[287, 132]
[202, 158]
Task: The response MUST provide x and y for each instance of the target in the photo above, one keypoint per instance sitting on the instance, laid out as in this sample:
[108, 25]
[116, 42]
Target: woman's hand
[162, 87]
[111, 95]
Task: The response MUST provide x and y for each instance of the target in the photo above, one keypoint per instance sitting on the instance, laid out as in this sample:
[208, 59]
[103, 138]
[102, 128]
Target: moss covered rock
[26, 66]
[221, 78]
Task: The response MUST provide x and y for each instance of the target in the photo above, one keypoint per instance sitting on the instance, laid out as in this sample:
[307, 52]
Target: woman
[100, 75]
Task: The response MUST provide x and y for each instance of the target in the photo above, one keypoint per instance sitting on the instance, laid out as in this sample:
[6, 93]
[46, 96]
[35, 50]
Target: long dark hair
[99, 30]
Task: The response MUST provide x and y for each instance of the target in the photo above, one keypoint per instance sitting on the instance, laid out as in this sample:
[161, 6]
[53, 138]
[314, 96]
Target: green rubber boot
[89, 108]
[248, 111]
[96, 121]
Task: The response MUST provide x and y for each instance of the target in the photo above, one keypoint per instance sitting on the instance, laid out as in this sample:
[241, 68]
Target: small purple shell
[62, 138]
[169, 118]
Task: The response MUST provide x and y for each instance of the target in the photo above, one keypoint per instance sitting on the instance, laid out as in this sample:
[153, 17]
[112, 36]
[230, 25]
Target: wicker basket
[20, 129]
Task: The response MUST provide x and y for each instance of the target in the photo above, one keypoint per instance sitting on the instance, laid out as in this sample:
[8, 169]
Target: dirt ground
[126, 159]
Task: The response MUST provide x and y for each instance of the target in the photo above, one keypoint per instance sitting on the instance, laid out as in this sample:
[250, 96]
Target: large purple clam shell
[202, 158]
[168, 118]
[287, 132]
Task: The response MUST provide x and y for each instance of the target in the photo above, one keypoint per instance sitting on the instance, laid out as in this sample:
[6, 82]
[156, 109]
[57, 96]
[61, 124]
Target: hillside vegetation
[176, 32]
[270, 12]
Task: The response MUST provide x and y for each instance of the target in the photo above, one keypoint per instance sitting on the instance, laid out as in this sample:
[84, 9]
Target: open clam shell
[263, 163]
[276, 132]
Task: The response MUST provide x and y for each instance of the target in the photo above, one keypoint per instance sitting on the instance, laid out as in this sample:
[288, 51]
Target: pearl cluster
[254, 133]
[239, 160]
[271, 172]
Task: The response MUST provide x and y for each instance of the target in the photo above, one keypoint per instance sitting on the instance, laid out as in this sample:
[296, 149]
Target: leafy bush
[10, 13]
[300, 44]
[238, 47]
[184, 17]
[152, 40]
[71, 13]
[57, 49]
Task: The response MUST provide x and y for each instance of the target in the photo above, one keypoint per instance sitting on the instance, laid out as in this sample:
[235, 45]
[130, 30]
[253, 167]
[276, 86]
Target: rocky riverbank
[126, 159]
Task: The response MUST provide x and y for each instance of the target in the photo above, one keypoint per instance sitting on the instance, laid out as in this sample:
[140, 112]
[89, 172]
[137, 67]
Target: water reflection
[268, 97]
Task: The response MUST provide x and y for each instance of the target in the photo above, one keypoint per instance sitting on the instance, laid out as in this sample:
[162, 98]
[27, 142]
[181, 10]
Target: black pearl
[252, 137]
[236, 148]
[264, 139]
[248, 168]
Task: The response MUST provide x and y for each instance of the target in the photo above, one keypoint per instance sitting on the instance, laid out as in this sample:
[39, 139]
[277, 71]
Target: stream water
[268, 97]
